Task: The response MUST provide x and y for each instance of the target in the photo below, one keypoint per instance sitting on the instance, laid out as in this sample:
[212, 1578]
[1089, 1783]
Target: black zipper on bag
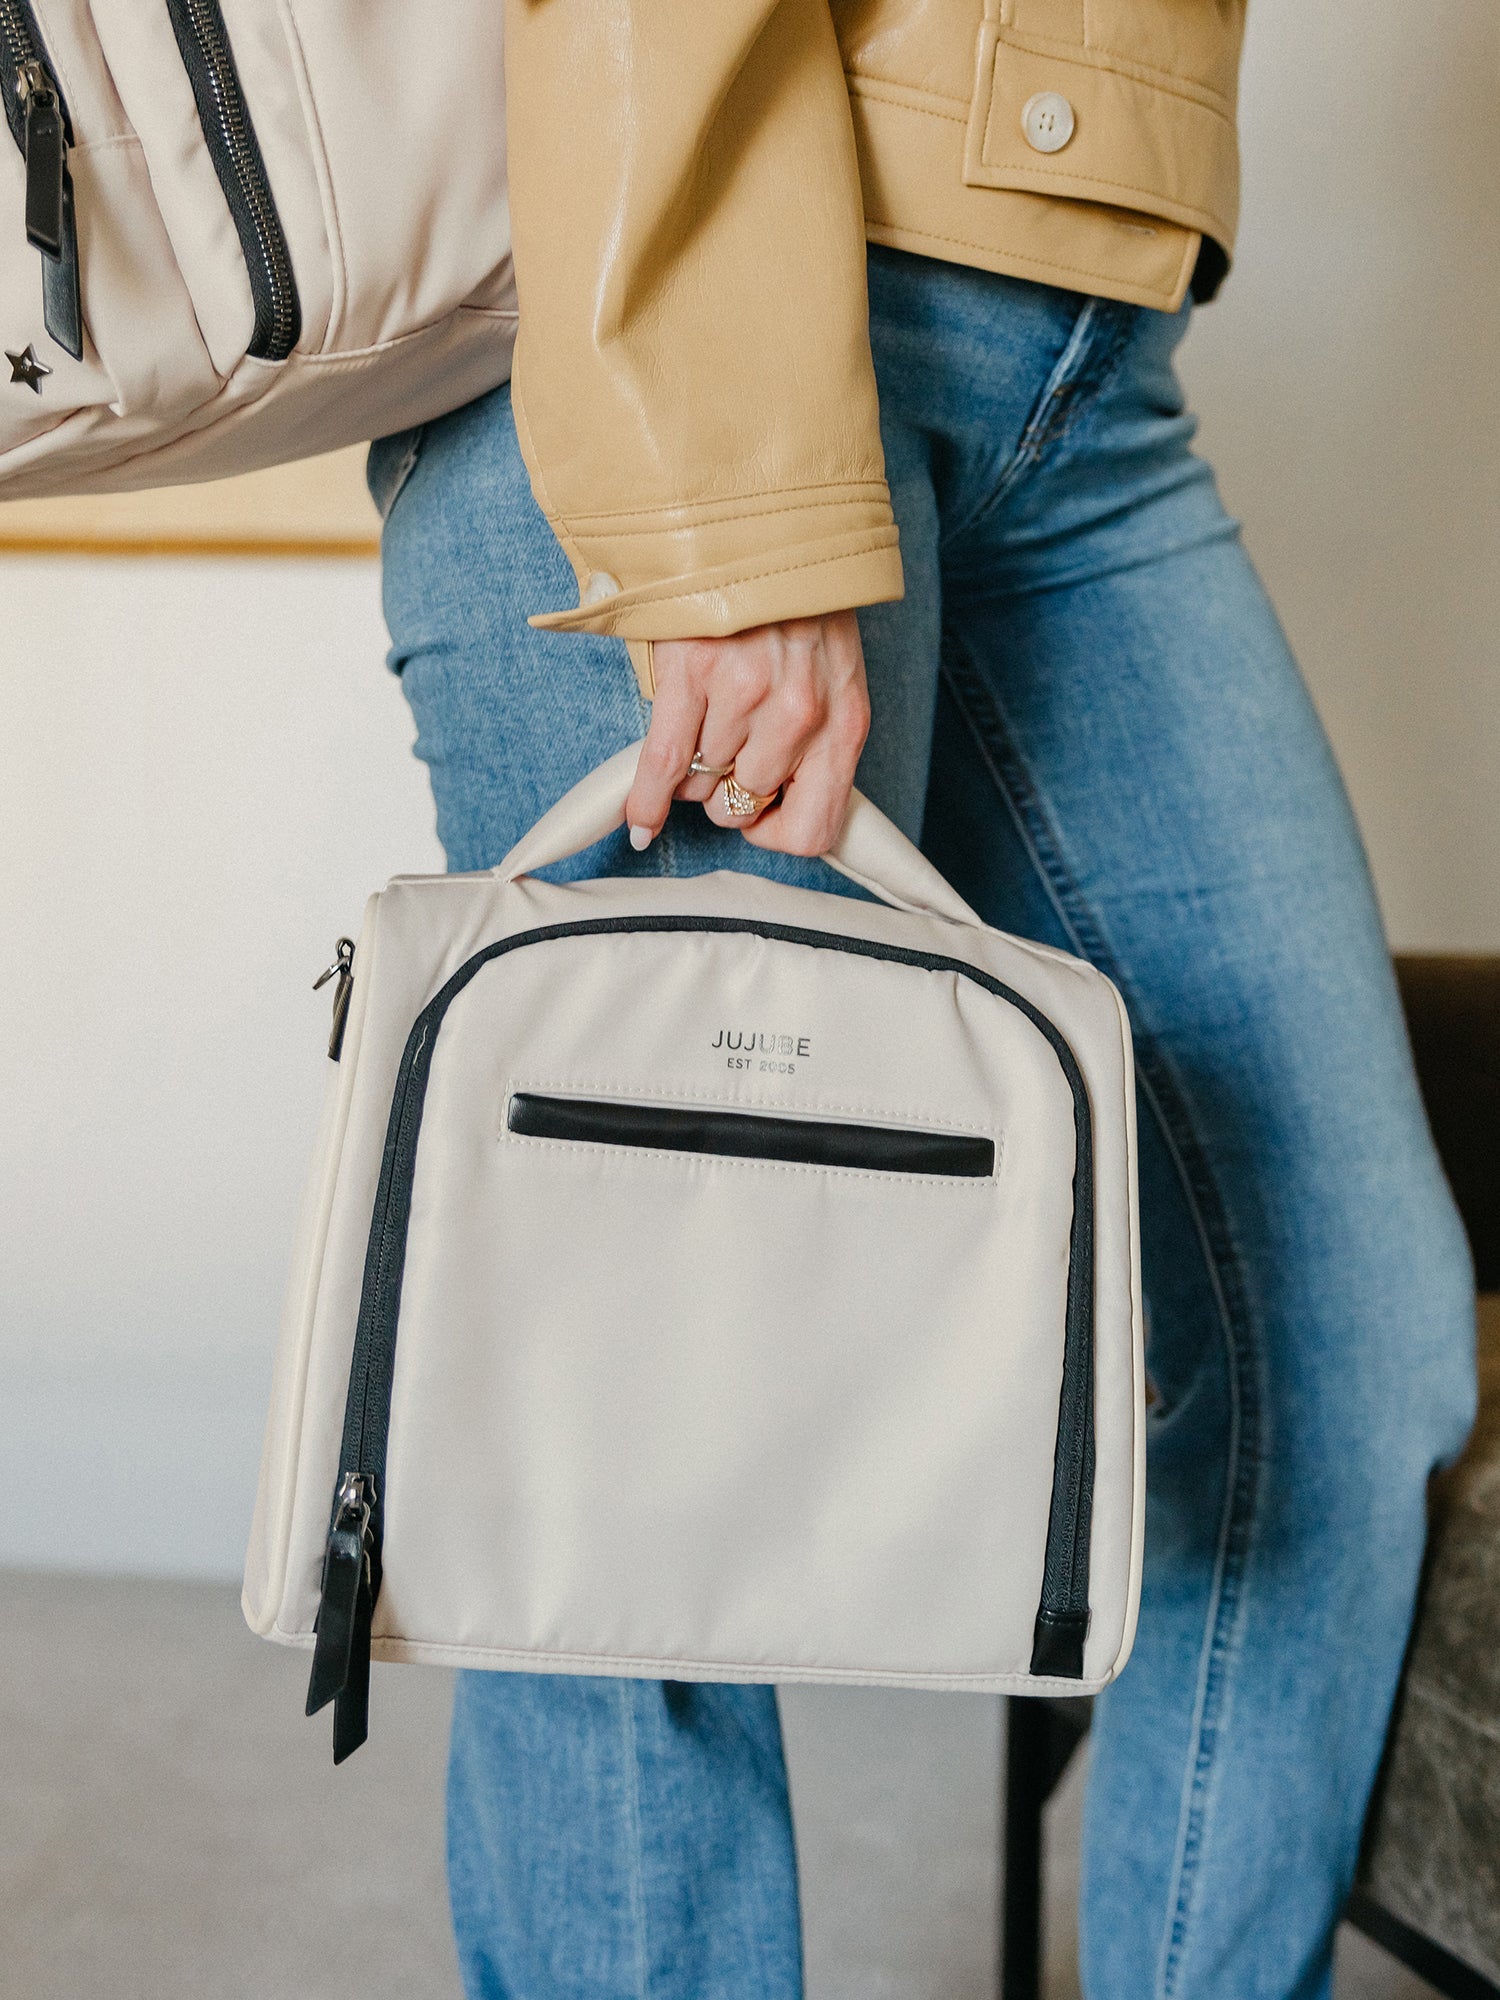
[750, 1135]
[235, 152]
[352, 1564]
[38, 118]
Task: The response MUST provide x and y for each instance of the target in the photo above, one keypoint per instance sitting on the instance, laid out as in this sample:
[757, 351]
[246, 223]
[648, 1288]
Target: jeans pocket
[391, 463]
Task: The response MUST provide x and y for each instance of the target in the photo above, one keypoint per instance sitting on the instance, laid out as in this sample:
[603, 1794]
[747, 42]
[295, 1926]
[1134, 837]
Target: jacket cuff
[701, 573]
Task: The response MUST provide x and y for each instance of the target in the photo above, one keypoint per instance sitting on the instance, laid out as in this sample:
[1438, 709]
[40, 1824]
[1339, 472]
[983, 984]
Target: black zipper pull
[342, 969]
[46, 157]
[51, 226]
[341, 1658]
[351, 1708]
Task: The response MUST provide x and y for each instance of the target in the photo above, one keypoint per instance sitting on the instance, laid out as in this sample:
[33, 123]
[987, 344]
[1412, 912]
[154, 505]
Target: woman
[725, 408]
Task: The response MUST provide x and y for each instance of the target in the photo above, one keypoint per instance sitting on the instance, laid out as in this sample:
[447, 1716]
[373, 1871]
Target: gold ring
[698, 769]
[739, 803]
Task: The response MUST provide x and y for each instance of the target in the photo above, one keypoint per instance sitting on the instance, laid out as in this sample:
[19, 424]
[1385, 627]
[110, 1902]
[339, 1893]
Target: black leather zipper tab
[46, 162]
[39, 124]
[62, 286]
[341, 1657]
[351, 1708]
[743, 1135]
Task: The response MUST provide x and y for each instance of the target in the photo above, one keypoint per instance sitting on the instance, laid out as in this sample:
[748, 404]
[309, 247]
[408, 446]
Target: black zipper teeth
[1064, 1595]
[20, 48]
[386, 1238]
[13, 29]
[23, 44]
[18, 30]
[235, 151]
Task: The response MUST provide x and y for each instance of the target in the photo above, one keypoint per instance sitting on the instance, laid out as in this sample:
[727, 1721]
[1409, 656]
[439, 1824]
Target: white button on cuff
[599, 586]
[1047, 121]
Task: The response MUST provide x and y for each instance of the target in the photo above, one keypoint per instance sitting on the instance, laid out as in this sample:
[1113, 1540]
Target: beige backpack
[239, 231]
[711, 1280]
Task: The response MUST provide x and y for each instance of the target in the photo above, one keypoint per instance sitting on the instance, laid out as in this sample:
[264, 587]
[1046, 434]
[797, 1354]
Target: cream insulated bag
[714, 1280]
[239, 231]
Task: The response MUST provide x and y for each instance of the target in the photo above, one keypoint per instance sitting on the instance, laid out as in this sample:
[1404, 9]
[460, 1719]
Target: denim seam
[631, 1763]
[1048, 415]
[1068, 405]
[1168, 1101]
[1237, 1524]
[1089, 356]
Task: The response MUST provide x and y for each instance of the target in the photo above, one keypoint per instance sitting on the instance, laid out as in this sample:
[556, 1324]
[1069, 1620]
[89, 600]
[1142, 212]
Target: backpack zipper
[229, 134]
[39, 124]
[343, 1676]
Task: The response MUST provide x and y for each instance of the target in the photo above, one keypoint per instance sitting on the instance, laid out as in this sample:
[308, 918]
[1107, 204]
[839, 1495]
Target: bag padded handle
[869, 849]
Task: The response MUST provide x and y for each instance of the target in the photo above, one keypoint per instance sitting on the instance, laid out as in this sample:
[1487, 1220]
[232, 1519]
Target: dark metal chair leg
[1425, 1958]
[1026, 1788]
[1040, 1738]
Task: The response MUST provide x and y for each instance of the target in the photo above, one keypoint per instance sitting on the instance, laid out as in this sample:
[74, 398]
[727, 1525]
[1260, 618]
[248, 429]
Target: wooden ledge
[319, 507]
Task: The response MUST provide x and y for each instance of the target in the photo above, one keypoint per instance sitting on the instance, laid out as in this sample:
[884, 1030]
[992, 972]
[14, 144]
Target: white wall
[1349, 380]
[203, 767]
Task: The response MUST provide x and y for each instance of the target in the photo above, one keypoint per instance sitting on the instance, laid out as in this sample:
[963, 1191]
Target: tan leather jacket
[692, 183]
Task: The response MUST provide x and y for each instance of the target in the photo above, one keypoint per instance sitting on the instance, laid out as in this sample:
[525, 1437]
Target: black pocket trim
[234, 149]
[751, 1135]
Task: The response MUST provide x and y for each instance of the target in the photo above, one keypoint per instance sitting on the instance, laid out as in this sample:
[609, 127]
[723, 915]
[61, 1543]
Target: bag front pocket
[414, 206]
[743, 1135]
[236, 222]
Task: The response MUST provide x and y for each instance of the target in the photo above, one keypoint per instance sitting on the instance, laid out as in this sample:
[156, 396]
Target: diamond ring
[739, 803]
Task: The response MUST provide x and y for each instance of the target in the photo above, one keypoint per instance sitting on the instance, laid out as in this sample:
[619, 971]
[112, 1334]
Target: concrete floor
[174, 1830]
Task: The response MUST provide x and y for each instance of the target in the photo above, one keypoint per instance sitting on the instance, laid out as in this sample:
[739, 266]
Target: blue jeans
[1087, 712]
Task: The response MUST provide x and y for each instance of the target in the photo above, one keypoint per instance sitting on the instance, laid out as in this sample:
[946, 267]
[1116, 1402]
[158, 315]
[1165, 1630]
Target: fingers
[815, 795]
[676, 721]
[786, 705]
[779, 731]
[732, 683]
[807, 817]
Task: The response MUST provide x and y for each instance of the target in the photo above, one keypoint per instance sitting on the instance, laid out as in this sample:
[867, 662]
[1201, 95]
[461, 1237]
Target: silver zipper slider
[355, 1498]
[342, 969]
[32, 81]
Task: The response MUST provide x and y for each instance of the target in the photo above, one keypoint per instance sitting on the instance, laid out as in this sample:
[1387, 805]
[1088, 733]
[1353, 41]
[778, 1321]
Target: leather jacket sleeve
[693, 389]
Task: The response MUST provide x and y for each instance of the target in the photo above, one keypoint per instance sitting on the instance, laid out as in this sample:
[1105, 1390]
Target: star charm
[24, 367]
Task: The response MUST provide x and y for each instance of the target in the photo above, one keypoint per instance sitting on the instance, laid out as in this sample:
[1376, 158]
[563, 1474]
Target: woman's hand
[786, 704]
